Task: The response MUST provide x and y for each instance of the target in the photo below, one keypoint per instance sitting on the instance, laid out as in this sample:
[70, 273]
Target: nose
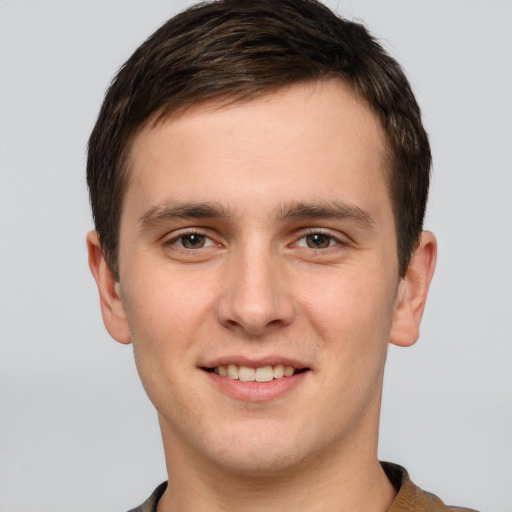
[255, 298]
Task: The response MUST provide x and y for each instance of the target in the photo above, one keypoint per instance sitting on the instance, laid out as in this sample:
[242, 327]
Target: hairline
[165, 112]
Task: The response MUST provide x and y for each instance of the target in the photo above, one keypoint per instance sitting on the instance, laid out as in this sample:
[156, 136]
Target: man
[258, 177]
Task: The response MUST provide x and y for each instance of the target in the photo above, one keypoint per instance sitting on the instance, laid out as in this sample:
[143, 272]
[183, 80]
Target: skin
[270, 175]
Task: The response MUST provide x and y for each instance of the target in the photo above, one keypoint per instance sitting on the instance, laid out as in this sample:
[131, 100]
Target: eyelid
[172, 238]
[339, 238]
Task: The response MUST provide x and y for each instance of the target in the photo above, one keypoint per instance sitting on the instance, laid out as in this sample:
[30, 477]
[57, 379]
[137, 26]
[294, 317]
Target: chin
[260, 451]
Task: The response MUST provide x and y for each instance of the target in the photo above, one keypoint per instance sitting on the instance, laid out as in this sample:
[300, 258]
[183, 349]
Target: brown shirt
[408, 499]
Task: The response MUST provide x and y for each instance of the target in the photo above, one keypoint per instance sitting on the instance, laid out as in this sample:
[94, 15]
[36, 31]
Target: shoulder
[411, 498]
[150, 504]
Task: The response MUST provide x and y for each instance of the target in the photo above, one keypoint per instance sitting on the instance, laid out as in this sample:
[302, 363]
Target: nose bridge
[255, 297]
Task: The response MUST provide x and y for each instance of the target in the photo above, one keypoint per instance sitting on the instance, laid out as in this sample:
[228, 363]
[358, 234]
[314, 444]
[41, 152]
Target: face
[257, 240]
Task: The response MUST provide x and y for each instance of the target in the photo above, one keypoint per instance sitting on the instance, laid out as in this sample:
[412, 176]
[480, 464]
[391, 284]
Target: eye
[317, 240]
[192, 241]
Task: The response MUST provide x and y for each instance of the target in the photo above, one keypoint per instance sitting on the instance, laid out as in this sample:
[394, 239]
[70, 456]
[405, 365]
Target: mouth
[266, 373]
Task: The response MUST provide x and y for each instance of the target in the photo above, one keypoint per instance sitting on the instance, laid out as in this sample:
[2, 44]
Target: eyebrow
[185, 210]
[295, 211]
[325, 210]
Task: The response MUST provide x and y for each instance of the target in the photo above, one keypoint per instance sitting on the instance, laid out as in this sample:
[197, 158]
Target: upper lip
[254, 362]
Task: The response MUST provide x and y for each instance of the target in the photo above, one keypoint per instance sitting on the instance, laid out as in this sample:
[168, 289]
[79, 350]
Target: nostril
[255, 304]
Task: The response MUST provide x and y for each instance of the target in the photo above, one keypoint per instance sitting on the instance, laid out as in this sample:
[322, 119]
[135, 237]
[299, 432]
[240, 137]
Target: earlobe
[412, 292]
[112, 307]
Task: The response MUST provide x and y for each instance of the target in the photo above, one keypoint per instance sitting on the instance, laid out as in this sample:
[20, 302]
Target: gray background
[76, 430]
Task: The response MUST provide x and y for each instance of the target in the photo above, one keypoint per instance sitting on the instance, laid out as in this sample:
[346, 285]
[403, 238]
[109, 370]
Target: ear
[412, 292]
[112, 307]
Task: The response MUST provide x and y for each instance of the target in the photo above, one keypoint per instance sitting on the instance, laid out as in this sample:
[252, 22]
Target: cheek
[165, 301]
[350, 308]
[163, 319]
[159, 320]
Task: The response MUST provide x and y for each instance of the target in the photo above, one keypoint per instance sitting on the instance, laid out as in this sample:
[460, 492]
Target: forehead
[313, 140]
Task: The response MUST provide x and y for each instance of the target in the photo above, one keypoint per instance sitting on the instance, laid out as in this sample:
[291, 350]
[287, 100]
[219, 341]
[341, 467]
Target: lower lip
[257, 391]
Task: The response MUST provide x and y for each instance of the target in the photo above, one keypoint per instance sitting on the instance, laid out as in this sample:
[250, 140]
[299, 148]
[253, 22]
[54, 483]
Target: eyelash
[319, 231]
[172, 243]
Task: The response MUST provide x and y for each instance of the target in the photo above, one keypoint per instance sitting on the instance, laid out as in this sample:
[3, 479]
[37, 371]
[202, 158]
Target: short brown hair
[240, 49]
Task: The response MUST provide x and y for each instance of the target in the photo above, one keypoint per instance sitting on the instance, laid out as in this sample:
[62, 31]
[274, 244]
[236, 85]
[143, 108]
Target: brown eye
[193, 241]
[318, 241]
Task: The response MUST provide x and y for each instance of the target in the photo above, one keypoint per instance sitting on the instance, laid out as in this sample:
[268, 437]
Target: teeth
[278, 371]
[232, 371]
[288, 371]
[247, 374]
[264, 374]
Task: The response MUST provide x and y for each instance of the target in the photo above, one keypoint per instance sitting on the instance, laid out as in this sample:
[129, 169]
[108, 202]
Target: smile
[261, 374]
